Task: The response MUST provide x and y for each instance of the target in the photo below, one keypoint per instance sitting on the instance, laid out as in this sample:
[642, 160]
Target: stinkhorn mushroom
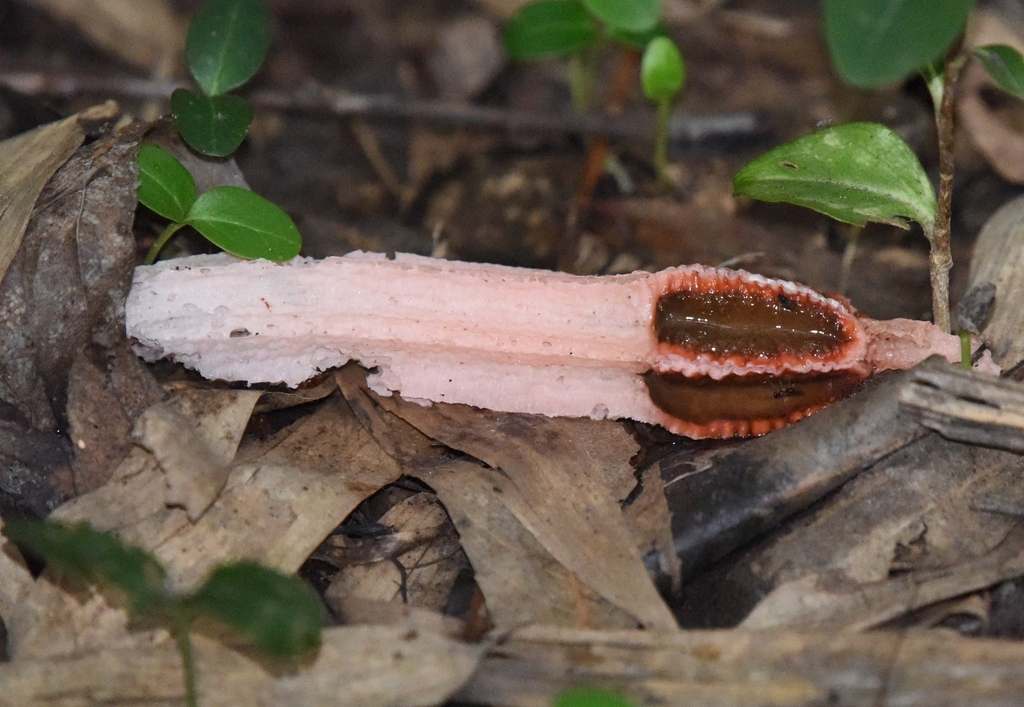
[703, 352]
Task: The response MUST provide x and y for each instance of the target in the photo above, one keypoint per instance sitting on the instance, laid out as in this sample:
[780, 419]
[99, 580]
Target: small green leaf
[277, 613]
[662, 71]
[628, 15]
[165, 186]
[1005, 65]
[855, 173]
[212, 125]
[591, 697]
[95, 557]
[549, 28]
[877, 43]
[226, 43]
[245, 224]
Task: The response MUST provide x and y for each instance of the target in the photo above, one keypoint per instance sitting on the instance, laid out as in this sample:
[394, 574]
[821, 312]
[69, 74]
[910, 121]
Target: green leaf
[549, 28]
[277, 613]
[165, 186]
[880, 42]
[226, 43]
[212, 125]
[662, 71]
[855, 173]
[628, 15]
[591, 697]
[95, 557]
[245, 224]
[1005, 65]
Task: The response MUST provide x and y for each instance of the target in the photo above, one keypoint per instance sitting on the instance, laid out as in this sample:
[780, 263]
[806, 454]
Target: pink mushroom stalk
[704, 352]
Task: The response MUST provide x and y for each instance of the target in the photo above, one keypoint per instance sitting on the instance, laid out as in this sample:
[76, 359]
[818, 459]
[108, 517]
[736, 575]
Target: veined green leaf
[226, 43]
[245, 224]
[1005, 65]
[855, 173]
[277, 613]
[212, 125]
[877, 43]
[628, 15]
[549, 28]
[662, 71]
[95, 557]
[165, 186]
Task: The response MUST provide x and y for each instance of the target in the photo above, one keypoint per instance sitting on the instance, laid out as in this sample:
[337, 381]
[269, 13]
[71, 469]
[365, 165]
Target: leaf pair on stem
[277, 614]
[227, 42]
[575, 28]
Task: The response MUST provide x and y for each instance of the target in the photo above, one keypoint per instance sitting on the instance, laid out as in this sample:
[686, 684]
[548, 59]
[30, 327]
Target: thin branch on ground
[317, 98]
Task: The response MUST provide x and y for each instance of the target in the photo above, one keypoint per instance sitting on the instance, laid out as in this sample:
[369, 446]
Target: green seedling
[869, 174]
[575, 29]
[662, 74]
[277, 614]
[591, 697]
[227, 42]
[236, 220]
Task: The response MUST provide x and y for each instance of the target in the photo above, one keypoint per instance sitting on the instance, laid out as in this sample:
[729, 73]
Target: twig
[939, 255]
[316, 98]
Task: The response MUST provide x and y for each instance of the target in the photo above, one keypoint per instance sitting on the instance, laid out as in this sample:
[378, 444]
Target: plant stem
[940, 258]
[965, 349]
[661, 144]
[161, 241]
[627, 62]
[849, 253]
[181, 635]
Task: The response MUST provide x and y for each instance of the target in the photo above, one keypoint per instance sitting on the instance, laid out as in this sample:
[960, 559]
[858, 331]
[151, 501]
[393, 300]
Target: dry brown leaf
[69, 279]
[279, 507]
[146, 33]
[107, 391]
[27, 162]
[521, 581]
[276, 508]
[64, 289]
[563, 496]
[195, 470]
